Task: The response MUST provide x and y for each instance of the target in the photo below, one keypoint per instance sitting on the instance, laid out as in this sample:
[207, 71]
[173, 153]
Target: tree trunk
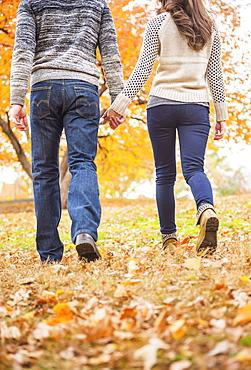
[16, 145]
[65, 178]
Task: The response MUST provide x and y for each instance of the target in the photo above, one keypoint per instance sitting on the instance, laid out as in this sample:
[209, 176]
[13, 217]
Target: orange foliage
[125, 155]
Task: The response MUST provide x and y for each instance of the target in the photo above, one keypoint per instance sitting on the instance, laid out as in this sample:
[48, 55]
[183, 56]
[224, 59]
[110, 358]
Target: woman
[188, 44]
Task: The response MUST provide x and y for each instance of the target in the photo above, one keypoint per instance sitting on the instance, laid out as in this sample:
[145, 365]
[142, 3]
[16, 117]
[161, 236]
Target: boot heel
[207, 240]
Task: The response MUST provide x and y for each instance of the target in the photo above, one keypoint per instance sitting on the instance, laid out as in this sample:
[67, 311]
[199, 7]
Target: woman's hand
[220, 130]
[115, 119]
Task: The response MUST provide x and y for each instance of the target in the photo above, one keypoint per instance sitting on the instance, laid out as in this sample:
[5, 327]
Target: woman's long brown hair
[192, 20]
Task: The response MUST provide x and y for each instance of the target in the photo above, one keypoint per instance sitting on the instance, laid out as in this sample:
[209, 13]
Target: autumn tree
[124, 156]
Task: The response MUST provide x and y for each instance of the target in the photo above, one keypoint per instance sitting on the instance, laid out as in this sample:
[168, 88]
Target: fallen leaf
[193, 263]
[9, 332]
[67, 354]
[42, 331]
[177, 329]
[149, 352]
[99, 360]
[180, 365]
[20, 297]
[243, 315]
[100, 325]
[120, 291]
[28, 315]
[246, 279]
[221, 347]
[220, 286]
[244, 356]
[56, 268]
[63, 313]
[132, 267]
[219, 324]
[130, 282]
[27, 281]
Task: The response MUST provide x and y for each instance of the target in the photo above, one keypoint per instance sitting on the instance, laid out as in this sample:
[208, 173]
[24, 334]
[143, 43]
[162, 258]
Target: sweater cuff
[120, 104]
[221, 111]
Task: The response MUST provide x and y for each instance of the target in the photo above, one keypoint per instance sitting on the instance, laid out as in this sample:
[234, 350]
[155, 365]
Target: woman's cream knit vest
[181, 74]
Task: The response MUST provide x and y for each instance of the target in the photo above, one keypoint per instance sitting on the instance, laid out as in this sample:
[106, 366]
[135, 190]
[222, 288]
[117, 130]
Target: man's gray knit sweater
[58, 39]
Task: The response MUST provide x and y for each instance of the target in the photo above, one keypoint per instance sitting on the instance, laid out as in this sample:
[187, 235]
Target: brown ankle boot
[209, 223]
[169, 242]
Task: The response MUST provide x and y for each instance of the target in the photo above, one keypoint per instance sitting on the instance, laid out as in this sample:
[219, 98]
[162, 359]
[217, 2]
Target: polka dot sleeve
[215, 79]
[143, 69]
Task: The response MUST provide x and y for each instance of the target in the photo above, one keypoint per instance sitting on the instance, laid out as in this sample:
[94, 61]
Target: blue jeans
[72, 105]
[192, 123]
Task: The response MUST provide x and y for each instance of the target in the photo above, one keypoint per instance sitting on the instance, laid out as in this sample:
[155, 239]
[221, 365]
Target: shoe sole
[208, 244]
[87, 251]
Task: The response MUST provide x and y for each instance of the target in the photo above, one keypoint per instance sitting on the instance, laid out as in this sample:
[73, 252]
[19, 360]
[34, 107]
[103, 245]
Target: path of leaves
[137, 308]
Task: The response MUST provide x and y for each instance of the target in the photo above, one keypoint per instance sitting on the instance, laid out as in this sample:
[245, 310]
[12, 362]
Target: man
[56, 43]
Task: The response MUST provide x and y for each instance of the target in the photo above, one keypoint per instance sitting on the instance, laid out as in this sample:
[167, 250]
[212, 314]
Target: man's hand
[220, 130]
[19, 117]
[113, 118]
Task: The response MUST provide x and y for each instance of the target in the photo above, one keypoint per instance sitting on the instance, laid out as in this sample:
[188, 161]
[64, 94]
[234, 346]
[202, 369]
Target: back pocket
[87, 102]
[40, 99]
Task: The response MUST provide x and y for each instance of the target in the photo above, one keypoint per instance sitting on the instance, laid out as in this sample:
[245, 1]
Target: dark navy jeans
[191, 121]
[72, 105]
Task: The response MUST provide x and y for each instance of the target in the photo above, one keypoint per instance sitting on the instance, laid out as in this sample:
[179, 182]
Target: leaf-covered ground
[138, 307]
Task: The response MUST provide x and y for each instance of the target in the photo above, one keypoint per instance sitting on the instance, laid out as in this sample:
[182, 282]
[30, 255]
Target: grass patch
[134, 305]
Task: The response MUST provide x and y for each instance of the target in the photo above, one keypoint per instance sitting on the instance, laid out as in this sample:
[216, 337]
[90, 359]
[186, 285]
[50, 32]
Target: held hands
[113, 118]
[19, 117]
[220, 130]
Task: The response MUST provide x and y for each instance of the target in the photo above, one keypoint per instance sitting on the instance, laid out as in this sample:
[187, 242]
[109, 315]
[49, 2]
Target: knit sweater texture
[58, 39]
[183, 74]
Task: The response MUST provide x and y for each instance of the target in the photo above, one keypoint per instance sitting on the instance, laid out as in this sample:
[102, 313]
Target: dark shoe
[86, 248]
[169, 242]
[207, 240]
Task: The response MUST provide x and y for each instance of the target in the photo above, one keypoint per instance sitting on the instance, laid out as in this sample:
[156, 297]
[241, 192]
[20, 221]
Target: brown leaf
[100, 325]
[27, 281]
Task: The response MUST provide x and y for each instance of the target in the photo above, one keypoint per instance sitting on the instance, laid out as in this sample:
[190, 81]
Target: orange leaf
[130, 282]
[243, 315]
[177, 329]
[62, 312]
[185, 241]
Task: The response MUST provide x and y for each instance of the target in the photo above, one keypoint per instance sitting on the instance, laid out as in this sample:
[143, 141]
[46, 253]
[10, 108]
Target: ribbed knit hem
[60, 74]
[120, 104]
[221, 111]
[188, 97]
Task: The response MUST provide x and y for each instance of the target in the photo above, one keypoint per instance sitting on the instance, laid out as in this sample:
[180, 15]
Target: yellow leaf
[246, 279]
[243, 315]
[29, 315]
[244, 356]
